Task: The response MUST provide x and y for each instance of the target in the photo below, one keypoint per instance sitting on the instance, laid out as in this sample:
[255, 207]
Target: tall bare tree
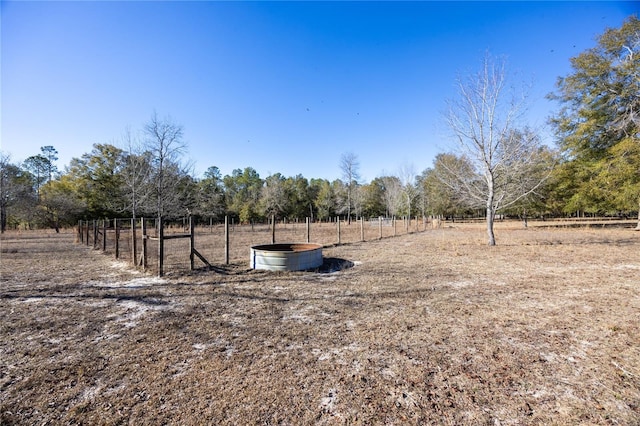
[483, 120]
[407, 175]
[136, 173]
[350, 173]
[392, 194]
[164, 141]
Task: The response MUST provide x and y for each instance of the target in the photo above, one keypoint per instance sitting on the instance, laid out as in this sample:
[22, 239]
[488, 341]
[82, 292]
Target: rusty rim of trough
[288, 247]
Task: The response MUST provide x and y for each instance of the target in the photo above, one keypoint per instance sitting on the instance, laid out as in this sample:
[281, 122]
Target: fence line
[153, 245]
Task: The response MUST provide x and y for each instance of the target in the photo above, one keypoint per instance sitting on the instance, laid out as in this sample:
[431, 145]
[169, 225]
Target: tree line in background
[496, 167]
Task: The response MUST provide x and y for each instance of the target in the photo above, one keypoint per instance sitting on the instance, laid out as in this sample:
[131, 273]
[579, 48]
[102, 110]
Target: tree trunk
[490, 218]
[491, 210]
[3, 219]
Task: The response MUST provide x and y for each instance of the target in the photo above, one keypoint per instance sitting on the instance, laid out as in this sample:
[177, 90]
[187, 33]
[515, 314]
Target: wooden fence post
[134, 252]
[117, 231]
[308, 230]
[87, 232]
[273, 229]
[160, 247]
[379, 227]
[338, 222]
[395, 231]
[226, 240]
[143, 259]
[105, 222]
[95, 235]
[362, 228]
[192, 245]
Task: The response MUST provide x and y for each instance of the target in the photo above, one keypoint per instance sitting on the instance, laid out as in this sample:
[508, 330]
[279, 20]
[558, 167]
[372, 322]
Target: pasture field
[426, 328]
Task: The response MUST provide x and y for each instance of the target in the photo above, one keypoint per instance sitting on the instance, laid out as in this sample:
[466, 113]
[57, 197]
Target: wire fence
[181, 246]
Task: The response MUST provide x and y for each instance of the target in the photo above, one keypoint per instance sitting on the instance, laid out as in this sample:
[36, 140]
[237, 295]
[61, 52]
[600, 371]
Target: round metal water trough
[286, 256]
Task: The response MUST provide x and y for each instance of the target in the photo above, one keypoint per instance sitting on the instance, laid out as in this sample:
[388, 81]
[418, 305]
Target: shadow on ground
[334, 264]
[329, 265]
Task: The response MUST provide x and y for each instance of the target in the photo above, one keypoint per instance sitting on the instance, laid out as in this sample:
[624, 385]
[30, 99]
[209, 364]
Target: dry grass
[427, 328]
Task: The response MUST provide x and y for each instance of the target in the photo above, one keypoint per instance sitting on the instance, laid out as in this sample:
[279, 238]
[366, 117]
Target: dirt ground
[427, 328]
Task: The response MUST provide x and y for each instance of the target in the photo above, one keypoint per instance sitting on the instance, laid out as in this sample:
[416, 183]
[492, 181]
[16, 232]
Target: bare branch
[495, 159]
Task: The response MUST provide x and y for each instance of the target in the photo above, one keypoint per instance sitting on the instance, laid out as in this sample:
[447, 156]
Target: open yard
[427, 328]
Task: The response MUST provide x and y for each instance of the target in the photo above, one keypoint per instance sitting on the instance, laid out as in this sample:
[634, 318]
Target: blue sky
[278, 86]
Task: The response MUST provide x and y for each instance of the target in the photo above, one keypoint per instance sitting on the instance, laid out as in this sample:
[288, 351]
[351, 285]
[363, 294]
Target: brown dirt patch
[426, 328]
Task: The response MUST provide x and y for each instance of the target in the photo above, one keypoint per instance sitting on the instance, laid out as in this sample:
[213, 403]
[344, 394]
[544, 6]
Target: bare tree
[392, 194]
[407, 175]
[165, 144]
[350, 173]
[136, 173]
[483, 121]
